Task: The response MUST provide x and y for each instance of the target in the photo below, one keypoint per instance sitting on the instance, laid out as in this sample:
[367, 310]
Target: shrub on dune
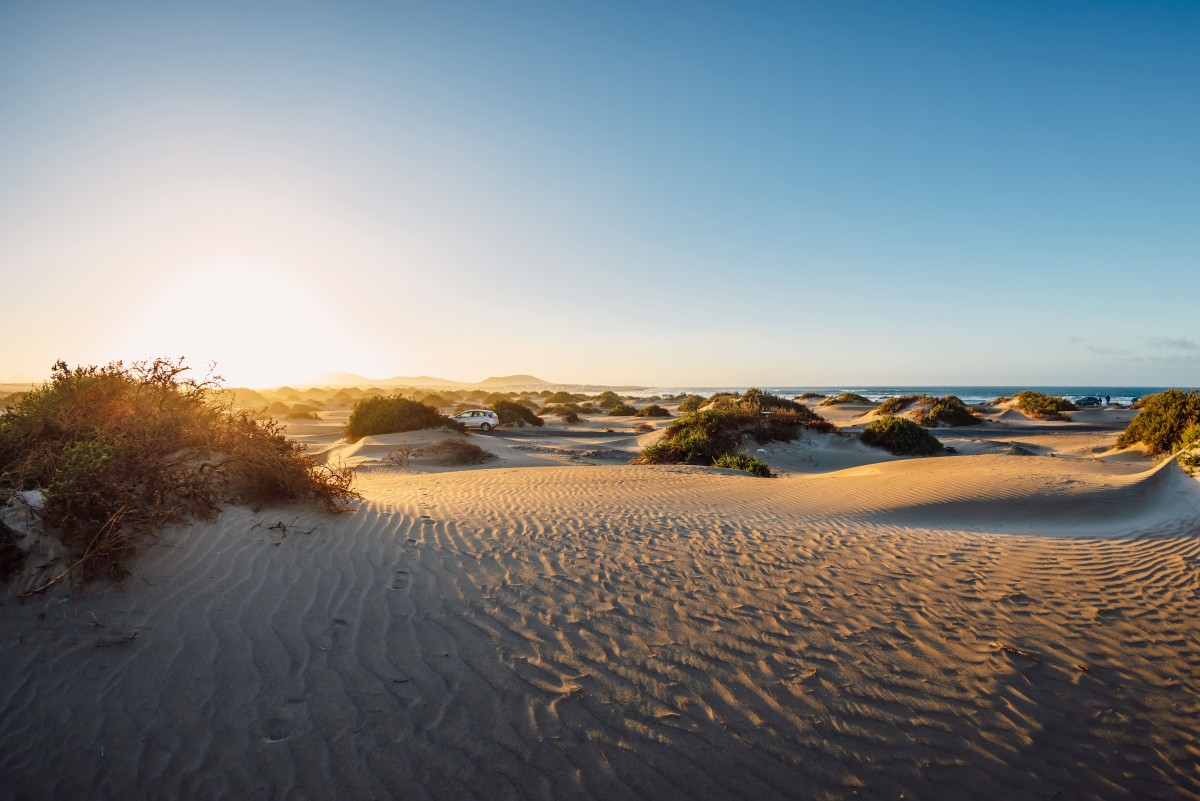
[901, 437]
[622, 410]
[607, 399]
[845, 397]
[809, 396]
[454, 453]
[897, 404]
[567, 412]
[121, 451]
[653, 410]
[740, 461]
[719, 429]
[948, 411]
[512, 413]
[692, 403]
[1168, 422]
[1041, 406]
[562, 397]
[392, 414]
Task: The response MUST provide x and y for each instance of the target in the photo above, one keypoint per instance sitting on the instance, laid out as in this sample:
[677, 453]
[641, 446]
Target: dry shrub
[454, 453]
[118, 452]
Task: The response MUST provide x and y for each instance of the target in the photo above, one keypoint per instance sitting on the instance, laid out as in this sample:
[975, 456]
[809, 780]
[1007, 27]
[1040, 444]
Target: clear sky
[655, 193]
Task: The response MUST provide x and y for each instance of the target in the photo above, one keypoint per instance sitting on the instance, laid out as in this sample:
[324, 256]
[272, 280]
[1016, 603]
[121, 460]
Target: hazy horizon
[674, 195]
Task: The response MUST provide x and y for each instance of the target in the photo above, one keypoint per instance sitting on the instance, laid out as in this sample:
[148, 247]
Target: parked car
[482, 419]
[1088, 401]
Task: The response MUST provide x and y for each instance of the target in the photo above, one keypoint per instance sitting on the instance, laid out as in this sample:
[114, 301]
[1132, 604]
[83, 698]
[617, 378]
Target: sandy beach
[561, 624]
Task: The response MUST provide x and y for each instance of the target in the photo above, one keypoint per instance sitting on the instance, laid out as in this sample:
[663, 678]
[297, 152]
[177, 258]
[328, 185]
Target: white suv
[482, 419]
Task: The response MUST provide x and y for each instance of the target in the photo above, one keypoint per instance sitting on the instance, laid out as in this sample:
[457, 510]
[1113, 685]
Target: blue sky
[674, 193]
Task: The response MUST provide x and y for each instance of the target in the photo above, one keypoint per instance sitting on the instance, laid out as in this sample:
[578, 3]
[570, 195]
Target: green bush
[900, 436]
[653, 410]
[740, 461]
[514, 414]
[118, 452]
[949, 411]
[392, 414]
[897, 404]
[809, 396]
[567, 412]
[1168, 422]
[435, 400]
[702, 437]
[845, 397]
[692, 403]
[607, 399]
[562, 397]
[1040, 406]
[622, 410]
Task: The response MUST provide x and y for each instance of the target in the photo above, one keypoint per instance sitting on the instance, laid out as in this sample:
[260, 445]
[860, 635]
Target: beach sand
[560, 624]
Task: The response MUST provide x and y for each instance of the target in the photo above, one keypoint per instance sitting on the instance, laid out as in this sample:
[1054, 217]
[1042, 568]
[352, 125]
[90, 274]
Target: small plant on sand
[607, 399]
[567, 412]
[1168, 422]
[514, 414]
[896, 404]
[653, 410]
[393, 414]
[692, 403]
[622, 410]
[1040, 406]
[845, 397]
[740, 461]
[809, 396]
[454, 453]
[562, 397]
[948, 411]
[399, 456]
[643, 428]
[719, 429]
[118, 452]
[901, 437]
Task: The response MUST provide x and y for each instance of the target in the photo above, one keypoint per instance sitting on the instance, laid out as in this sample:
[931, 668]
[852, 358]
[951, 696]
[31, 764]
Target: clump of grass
[514, 414]
[562, 397]
[692, 403]
[454, 453]
[1168, 422]
[948, 411]
[118, 452]
[809, 396]
[622, 410]
[1041, 406]
[399, 456]
[740, 461]
[897, 404]
[392, 414]
[567, 412]
[845, 397]
[643, 428]
[901, 437]
[607, 399]
[720, 428]
[653, 410]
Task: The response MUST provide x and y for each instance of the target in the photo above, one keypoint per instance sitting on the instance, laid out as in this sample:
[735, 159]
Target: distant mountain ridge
[355, 380]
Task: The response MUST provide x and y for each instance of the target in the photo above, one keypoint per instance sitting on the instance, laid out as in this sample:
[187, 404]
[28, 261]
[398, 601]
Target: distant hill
[431, 382]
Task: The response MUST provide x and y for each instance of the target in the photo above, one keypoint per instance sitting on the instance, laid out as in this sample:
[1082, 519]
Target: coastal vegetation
[607, 399]
[947, 411]
[1040, 406]
[622, 410]
[721, 428]
[901, 437]
[454, 453]
[740, 461]
[692, 403]
[845, 397]
[897, 404]
[514, 414]
[1168, 422]
[391, 414]
[567, 412]
[118, 451]
[653, 410]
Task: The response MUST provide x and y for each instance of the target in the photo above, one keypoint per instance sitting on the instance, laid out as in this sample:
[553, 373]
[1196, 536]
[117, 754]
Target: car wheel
[486, 427]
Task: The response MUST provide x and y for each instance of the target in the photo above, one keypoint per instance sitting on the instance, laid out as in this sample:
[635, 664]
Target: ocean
[877, 394]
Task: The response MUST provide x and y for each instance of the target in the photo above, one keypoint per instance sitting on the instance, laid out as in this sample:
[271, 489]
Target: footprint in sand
[400, 581]
[276, 730]
[333, 637]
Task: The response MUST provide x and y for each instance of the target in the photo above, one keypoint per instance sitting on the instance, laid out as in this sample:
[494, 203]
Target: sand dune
[637, 632]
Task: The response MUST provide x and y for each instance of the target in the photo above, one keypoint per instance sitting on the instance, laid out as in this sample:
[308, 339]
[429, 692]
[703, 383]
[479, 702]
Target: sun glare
[262, 325]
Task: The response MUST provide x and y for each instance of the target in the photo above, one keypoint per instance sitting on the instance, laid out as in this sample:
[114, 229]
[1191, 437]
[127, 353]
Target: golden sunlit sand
[558, 623]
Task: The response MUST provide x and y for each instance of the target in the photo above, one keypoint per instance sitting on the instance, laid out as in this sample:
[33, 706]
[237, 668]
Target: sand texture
[979, 626]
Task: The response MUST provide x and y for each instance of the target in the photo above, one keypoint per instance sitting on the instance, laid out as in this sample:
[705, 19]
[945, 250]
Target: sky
[654, 193]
